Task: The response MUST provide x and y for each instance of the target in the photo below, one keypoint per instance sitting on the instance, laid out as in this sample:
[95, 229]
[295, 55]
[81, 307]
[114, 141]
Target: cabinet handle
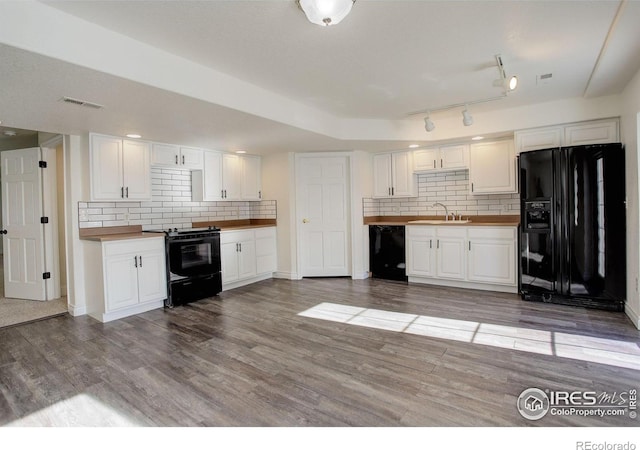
[140, 260]
[430, 243]
[441, 163]
[225, 193]
[135, 259]
[389, 189]
[176, 159]
[471, 187]
[240, 244]
[260, 194]
[127, 191]
[222, 193]
[122, 192]
[393, 192]
[469, 245]
[182, 159]
[237, 247]
[438, 243]
[434, 163]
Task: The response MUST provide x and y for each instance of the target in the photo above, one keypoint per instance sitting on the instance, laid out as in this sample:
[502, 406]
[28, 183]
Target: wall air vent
[75, 101]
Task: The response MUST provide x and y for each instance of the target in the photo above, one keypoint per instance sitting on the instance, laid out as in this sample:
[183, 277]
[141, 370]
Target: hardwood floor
[247, 358]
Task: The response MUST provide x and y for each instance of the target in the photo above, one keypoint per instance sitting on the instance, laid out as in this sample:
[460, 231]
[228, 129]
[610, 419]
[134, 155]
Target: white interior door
[323, 215]
[23, 238]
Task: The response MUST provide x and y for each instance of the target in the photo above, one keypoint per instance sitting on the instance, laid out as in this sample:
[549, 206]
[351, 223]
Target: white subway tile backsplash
[448, 188]
[171, 206]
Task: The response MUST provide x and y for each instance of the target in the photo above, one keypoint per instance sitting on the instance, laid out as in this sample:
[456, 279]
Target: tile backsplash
[450, 189]
[171, 206]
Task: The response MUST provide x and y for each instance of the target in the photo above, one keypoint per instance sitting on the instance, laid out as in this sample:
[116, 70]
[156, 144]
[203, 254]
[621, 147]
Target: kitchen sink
[439, 222]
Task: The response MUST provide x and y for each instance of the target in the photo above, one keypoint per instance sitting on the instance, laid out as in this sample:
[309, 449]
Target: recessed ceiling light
[240, 152]
[414, 146]
[477, 138]
[134, 136]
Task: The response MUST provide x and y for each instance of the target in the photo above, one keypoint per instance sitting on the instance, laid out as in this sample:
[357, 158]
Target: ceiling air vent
[545, 78]
[75, 101]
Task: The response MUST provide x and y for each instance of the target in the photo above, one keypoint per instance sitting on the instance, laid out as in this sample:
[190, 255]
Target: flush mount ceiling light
[428, 124]
[467, 120]
[325, 12]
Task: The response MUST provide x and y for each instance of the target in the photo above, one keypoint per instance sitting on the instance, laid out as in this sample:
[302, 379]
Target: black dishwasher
[386, 252]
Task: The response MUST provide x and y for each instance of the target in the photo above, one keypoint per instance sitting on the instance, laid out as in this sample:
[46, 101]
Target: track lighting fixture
[467, 120]
[428, 124]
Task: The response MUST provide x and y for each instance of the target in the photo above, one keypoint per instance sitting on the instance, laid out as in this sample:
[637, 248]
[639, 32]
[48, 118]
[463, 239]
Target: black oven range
[193, 264]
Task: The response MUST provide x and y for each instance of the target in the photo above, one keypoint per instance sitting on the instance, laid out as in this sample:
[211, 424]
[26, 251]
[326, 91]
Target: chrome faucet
[446, 211]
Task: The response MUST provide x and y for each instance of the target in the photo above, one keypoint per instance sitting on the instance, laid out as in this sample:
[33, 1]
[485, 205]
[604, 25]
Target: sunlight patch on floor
[81, 410]
[566, 345]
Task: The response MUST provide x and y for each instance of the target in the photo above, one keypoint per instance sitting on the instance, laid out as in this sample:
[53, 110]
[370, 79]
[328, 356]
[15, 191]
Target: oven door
[194, 256]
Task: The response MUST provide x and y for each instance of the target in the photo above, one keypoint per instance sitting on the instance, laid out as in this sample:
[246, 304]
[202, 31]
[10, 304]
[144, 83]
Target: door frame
[350, 219]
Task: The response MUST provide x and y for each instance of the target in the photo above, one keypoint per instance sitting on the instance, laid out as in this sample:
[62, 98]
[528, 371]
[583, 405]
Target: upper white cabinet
[166, 155]
[604, 131]
[393, 175]
[492, 167]
[226, 176]
[120, 169]
[449, 157]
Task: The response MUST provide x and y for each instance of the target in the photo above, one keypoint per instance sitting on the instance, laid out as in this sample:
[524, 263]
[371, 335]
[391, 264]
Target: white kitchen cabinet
[538, 138]
[174, 156]
[227, 176]
[492, 168]
[251, 177]
[127, 277]
[393, 175]
[247, 256]
[492, 255]
[266, 253]
[421, 251]
[597, 132]
[120, 169]
[445, 158]
[451, 255]
[476, 257]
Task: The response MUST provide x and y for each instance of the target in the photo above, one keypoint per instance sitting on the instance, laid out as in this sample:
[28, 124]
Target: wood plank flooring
[246, 358]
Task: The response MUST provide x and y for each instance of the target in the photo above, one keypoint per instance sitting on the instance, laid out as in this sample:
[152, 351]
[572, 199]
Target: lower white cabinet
[478, 257]
[247, 256]
[128, 277]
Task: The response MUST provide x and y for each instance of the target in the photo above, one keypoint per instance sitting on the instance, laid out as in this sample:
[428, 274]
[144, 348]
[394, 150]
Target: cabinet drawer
[227, 237]
[419, 231]
[126, 246]
[492, 233]
[451, 231]
[264, 233]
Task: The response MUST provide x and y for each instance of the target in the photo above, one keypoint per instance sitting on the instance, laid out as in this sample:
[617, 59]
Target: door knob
[305, 220]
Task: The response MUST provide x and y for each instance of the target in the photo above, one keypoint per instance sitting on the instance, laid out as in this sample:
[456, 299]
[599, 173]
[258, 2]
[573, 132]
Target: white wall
[630, 128]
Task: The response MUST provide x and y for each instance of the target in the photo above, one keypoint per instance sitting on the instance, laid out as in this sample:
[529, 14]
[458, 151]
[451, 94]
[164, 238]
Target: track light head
[428, 124]
[467, 120]
[513, 83]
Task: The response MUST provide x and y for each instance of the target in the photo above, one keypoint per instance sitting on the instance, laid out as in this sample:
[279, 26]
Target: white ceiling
[384, 61]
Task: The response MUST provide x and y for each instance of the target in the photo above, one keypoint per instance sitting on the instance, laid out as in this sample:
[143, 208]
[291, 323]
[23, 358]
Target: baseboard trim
[633, 315]
[465, 285]
[237, 284]
[76, 311]
[360, 276]
[287, 275]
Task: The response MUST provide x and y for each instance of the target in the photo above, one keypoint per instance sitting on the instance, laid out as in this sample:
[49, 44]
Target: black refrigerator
[572, 226]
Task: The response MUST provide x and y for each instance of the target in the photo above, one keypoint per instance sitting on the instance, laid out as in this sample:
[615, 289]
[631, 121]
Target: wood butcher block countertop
[485, 221]
[116, 233]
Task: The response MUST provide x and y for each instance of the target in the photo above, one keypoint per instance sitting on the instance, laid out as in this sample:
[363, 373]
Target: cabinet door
[266, 252]
[382, 175]
[206, 184]
[137, 170]
[601, 132]
[492, 255]
[426, 160]
[421, 251]
[454, 157]
[229, 259]
[121, 281]
[247, 259]
[152, 276]
[537, 139]
[402, 175]
[251, 177]
[164, 155]
[191, 158]
[231, 174]
[451, 248]
[106, 168]
[492, 168]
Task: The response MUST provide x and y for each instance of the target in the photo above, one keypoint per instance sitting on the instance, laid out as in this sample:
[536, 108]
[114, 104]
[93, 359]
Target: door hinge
[44, 220]
[42, 164]
[46, 275]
